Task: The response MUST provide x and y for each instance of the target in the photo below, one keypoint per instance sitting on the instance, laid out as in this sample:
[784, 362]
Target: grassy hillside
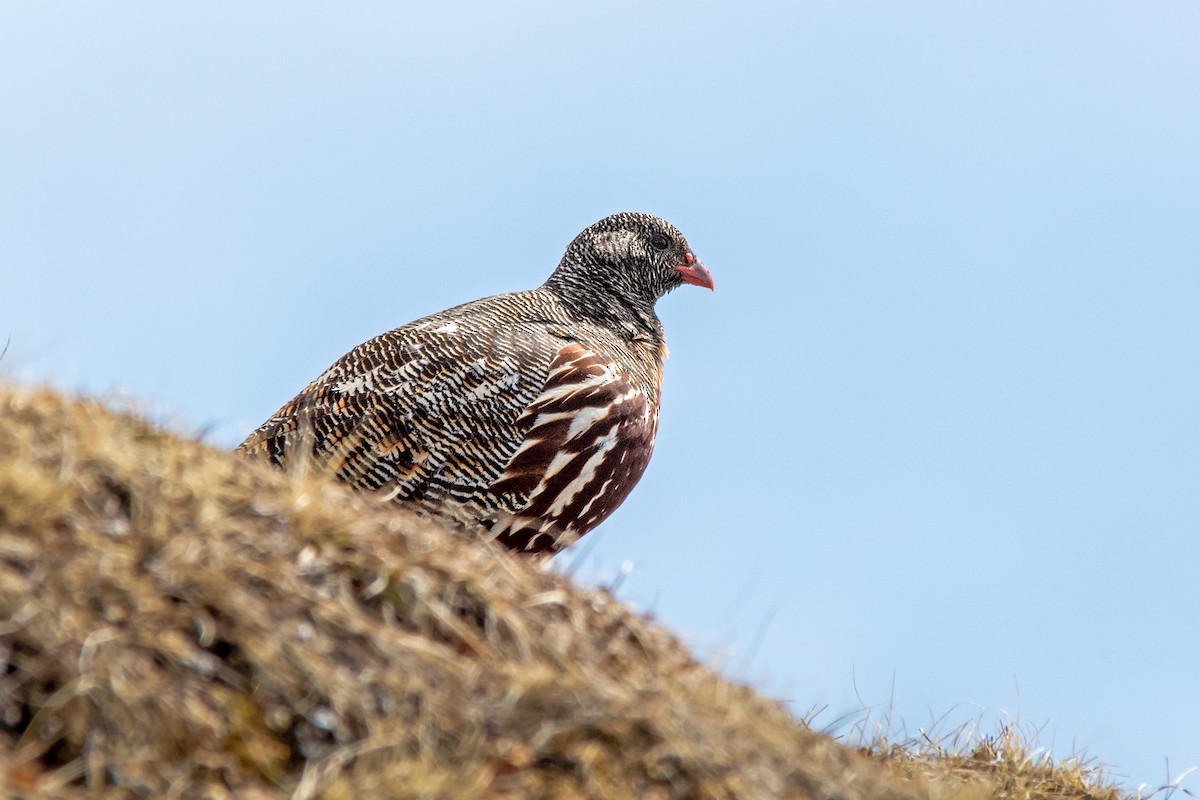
[175, 621]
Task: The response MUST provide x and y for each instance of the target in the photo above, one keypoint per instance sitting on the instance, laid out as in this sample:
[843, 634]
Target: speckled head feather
[617, 268]
[529, 416]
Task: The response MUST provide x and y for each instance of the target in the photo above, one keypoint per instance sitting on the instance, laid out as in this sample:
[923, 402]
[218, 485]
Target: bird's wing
[427, 412]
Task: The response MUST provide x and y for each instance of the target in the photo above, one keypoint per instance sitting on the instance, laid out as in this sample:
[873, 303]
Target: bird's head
[629, 258]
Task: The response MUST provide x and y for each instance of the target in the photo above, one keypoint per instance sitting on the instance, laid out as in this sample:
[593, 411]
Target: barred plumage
[530, 415]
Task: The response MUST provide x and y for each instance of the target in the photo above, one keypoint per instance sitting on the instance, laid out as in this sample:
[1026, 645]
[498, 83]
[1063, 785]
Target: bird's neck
[632, 318]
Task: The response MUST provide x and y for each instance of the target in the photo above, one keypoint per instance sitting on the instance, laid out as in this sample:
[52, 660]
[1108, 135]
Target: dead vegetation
[177, 622]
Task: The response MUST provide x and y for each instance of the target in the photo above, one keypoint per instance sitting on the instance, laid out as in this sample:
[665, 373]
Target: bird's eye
[660, 241]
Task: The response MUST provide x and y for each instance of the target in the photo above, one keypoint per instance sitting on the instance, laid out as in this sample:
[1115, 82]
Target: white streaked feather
[585, 476]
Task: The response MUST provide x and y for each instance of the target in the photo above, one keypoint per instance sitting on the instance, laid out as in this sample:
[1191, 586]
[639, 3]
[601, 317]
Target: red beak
[695, 273]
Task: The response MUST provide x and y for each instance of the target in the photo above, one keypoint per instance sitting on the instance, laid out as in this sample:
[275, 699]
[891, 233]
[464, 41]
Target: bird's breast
[587, 440]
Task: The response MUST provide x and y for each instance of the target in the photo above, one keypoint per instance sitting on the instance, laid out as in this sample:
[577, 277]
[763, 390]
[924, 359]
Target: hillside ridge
[182, 622]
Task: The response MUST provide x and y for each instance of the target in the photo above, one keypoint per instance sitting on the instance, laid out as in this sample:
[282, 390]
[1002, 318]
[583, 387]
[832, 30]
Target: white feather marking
[601, 492]
[493, 388]
[584, 419]
[608, 371]
[586, 474]
[590, 382]
[559, 461]
[359, 383]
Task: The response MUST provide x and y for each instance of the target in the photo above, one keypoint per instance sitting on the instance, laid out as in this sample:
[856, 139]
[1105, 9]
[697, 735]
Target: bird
[526, 416]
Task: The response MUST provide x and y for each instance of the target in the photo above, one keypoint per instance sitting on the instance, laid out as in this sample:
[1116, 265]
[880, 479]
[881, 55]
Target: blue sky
[934, 440]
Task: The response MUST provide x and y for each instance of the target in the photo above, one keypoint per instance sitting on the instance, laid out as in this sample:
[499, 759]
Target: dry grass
[177, 622]
[1008, 762]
